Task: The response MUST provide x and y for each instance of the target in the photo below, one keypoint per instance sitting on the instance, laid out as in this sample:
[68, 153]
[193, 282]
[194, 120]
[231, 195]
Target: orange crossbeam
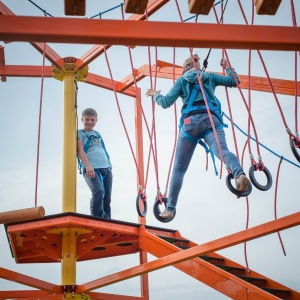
[88, 31]
[261, 84]
[50, 54]
[29, 281]
[97, 50]
[218, 244]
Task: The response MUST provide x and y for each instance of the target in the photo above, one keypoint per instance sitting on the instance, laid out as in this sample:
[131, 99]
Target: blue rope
[280, 156]
[43, 10]
[102, 13]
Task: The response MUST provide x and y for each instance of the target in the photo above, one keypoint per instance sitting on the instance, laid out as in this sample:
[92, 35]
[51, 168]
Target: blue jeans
[199, 126]
[100, 187]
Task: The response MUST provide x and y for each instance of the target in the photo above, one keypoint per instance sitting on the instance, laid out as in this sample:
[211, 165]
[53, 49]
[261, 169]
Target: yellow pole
[69, 145]
[68, 74]
[68, 260]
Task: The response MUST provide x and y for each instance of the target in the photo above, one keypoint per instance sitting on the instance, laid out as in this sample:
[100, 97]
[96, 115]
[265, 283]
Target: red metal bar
[88, 31]
[50, 54]
[210, 274]
[97, 50]
[218, 244]
[29, 281]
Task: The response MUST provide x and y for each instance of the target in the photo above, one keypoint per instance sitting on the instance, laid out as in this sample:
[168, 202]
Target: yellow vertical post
[68, 260]
[69, 145]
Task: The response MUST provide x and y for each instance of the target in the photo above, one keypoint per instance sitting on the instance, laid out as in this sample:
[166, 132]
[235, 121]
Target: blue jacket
[183, 87]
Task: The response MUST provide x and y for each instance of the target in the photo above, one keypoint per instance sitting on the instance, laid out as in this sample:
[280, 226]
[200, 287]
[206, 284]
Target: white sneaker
[166, 214]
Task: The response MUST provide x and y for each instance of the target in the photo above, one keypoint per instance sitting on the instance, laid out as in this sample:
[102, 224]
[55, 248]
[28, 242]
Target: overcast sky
[206, 210]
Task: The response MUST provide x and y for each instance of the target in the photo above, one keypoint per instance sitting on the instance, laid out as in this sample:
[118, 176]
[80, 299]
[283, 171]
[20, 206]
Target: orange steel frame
[142, 238]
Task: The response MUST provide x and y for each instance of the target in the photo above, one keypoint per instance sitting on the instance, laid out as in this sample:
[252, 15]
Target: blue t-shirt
[95, 153]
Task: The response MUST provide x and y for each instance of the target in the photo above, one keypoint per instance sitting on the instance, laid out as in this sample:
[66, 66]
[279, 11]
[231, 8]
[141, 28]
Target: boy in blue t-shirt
[96, 165]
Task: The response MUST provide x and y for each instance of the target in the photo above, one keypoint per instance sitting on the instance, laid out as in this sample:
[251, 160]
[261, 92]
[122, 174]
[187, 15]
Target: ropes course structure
[105, 56]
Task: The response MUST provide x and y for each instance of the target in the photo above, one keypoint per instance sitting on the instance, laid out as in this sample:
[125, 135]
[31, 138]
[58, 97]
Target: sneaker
[166, 214]
[242, 183]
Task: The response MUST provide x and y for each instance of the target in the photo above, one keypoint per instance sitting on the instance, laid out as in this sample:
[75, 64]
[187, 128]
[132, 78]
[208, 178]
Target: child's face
[89, 122]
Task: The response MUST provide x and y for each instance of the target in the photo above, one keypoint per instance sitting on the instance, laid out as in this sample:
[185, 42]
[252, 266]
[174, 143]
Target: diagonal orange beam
[29, 281]
[50, 54]
[218, 244]
[97, 50]
[261, 84]
[88, 31]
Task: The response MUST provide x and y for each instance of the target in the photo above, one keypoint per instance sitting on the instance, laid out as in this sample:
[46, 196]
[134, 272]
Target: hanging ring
[141, 202]
[295, 146]
[157, 211]
[235, 191]
[254, 168]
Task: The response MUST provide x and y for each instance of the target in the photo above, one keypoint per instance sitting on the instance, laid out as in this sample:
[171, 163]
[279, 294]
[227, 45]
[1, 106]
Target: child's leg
[107, 181]
[96, 187]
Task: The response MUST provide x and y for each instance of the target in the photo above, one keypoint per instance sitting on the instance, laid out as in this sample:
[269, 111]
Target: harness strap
[87, 146]
[189, 108]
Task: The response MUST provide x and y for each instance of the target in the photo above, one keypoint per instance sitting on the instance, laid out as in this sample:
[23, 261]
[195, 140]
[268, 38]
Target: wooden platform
[40, 241]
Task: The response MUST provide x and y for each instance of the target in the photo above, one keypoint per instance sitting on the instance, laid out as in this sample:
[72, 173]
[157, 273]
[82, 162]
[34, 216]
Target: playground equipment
[70, 237]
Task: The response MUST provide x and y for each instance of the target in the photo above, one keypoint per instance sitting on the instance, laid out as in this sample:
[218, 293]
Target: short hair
[188, 63]
[89, 112]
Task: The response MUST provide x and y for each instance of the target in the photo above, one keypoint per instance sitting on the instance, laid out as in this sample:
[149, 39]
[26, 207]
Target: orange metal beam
[50, 54]
[104, 296]
[261, 84]
[210, 274]
[22, 294]
[218, 244]
[89, 31]
[29, 281]
[97, 50]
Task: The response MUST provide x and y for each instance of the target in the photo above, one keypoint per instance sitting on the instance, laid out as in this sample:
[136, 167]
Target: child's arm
[89, 169]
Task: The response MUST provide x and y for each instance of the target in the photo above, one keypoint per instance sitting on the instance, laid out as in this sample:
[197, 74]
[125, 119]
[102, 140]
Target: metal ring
[255, 182]
[294, 148]
[139, 199]
[235, 191]
[157, 211]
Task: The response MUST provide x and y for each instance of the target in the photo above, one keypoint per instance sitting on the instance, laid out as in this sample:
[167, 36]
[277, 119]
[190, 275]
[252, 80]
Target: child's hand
[90, 172]
[151, 92]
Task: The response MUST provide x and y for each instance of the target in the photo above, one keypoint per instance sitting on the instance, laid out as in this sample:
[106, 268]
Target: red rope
[120, 112]
[204, 97]
[296, 70]
[176, 130]
[39, 129]
[275, 203]
[267, 74]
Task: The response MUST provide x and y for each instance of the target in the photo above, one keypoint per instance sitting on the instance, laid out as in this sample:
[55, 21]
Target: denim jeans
[100, 187]
[199, 126]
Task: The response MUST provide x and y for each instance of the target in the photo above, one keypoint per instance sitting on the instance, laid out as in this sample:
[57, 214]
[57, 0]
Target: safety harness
[86, 147]
[215, 109]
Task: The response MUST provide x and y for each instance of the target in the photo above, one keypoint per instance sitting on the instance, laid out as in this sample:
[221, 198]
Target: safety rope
[296, 70]
[43, 10]
[153, 147]
[39, 127]
[262, 145]
[120, 112]
[203, 93]
[275, 203]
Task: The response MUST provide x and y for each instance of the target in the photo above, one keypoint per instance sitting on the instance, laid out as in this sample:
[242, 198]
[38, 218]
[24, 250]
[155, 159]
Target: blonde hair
[89, 112]
[188, 63]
